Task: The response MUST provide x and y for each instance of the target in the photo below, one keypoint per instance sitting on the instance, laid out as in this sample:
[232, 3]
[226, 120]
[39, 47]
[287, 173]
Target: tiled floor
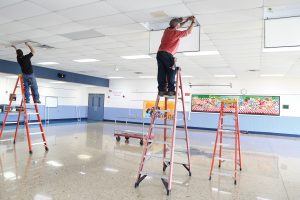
[86, 162]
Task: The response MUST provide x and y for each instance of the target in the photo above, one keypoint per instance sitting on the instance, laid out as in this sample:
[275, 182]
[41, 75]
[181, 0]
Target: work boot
[162, 93]
[38, 101]
[171, 93]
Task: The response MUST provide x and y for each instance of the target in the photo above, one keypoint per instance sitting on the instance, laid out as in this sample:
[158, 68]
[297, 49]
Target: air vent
[253, 70]
[82, 35]
[138, 72]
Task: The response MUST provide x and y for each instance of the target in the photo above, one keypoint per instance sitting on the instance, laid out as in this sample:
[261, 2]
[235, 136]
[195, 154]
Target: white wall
[136, 91]
[67, 93]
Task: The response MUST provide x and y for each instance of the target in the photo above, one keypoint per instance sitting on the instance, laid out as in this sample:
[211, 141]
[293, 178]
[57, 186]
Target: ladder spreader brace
[150, 139]
[23, 108]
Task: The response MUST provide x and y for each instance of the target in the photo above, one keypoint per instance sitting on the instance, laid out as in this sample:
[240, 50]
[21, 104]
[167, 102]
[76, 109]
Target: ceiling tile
[89, 11]
[22, 10]
[65, 28]
[60, 5]
[45, 20]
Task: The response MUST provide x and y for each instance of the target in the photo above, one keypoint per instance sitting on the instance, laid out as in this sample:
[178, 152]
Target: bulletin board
[253, 105]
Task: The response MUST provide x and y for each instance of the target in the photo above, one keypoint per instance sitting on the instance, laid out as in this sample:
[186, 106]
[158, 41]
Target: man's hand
[27, 44]
[30, 47]
[13, 46]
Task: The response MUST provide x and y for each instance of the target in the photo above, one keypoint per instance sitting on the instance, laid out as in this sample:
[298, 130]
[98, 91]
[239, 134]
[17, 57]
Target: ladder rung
[38, 143]
[223, 159]
[159, 156]
[222, 144]
[162, 126]
[229, 126]
[36, 133]
[228, 136]
[34, 123]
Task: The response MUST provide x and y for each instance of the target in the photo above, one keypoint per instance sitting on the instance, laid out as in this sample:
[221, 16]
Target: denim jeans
[166, 71]
[29, 80]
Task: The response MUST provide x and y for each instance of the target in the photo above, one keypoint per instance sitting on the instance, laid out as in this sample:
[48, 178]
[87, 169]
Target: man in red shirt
[168, 48]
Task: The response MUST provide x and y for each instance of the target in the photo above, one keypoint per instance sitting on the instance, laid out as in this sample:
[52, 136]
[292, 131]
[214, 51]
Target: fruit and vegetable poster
[149, 108]
[256, 105]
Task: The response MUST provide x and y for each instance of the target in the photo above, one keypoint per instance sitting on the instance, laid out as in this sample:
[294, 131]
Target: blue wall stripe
[43, 72]
[280, 125]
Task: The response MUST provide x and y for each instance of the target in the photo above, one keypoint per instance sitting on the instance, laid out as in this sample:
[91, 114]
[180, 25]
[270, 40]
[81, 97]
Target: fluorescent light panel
[136, 57]
[224, 76]
[86, 60]
[115, 77]
[272, 75]
[58, 82]
[147, 77]
[281, 49]
[48, 63]
[201, 53]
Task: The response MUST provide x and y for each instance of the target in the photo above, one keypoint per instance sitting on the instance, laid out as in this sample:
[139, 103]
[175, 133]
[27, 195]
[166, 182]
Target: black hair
[19, 53]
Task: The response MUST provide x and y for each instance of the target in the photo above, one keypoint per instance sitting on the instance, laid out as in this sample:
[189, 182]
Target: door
[96, 107]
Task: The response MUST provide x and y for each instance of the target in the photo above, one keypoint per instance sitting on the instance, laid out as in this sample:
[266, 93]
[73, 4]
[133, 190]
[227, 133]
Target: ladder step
[153, 174]
[162, 126]
[36, 133]
[229, 126]
[32, 113]
[11, 122]
[227, 130]
[159, 142]
[34, 123]
[224, 159]
[224, 173]
[167, 162]
[222, 144]
[4, 140]
[38, 143]
[13, 113]
[228, 136]
[159, 156]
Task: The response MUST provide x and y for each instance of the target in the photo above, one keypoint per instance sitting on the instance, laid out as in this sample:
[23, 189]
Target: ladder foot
[168, 192]
[240, 169]
[209, 178]
[14, 141]
[190, 173]
[136, 185]
[46, 148]
[30, 152]
[219, 166]
[234, 182]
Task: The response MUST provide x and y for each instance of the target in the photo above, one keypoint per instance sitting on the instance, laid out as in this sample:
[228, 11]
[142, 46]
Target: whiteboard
[51, 101]
[187, 44]
[282, 32]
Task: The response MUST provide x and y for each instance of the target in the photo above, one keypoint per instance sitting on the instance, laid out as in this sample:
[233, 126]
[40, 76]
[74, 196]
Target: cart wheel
[127, 140]
[118, 138]
[141, 142]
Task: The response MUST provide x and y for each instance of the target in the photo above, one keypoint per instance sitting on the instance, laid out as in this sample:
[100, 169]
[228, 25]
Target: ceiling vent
[138, 72]
[158, 14]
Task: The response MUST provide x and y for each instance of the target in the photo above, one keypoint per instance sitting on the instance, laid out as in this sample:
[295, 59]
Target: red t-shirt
[170, 40]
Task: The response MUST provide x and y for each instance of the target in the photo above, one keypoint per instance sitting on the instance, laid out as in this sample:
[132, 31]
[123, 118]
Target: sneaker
[38, 101]
[171, 93]
[162, 93]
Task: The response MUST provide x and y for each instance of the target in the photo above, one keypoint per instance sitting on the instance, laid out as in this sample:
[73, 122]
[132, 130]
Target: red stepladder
[169, 148]
[24, 107]
[230, 132]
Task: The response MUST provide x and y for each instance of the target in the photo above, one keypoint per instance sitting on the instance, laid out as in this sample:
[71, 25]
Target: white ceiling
[232, 27]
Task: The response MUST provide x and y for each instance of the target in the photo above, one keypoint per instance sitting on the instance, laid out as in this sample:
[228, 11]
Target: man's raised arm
[30, 47]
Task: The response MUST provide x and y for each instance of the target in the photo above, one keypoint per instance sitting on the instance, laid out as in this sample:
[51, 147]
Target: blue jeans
[166, 72]
[29, 80]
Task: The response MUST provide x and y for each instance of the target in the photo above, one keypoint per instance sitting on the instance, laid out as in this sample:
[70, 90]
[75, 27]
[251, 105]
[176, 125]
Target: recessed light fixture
[147, 77]
[115, 77]
[253, 70]
[109, 169]
[86, 60]
[187, 76]
[224, 76]
[84, 157]
[58, 82]
[272, 75]
[47, 63]
[11, 76]
[136, 57]
[201, 53]
[281, 49]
